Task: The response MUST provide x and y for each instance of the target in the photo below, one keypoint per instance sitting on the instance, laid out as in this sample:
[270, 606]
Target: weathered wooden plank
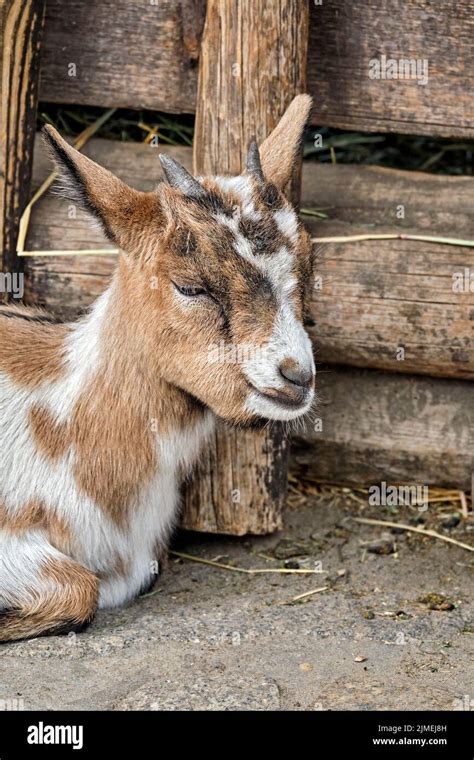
[346, 36]
[231, 113]
[379, 426]
[240, 485]
[375, 298]
[143, 55]
[126, 53]
[20, 37]
[393, 304]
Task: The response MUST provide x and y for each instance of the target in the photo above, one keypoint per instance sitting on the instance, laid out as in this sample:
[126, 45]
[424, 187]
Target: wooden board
[144, 55]
[378, 426]
[239, 484]
[129, 53]
[21, 25]
[346, 36]
[376, 297]
[274, 64]
[391, 304]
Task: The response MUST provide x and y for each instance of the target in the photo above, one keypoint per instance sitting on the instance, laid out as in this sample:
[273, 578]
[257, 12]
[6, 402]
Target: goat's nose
[292, 371]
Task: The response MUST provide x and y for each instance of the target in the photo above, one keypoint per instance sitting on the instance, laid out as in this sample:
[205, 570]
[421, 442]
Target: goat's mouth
[280, 405]
[284, 400]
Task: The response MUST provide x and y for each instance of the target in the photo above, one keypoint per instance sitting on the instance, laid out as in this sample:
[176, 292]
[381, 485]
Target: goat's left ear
[279, 152]
[117, 207]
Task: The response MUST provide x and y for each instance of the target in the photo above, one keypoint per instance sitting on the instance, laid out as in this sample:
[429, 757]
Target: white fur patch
[287, 222]
[242, 187]
[288, 340]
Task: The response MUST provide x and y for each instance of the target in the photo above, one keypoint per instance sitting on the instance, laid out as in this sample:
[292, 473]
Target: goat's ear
[279, 152]
[115, 205]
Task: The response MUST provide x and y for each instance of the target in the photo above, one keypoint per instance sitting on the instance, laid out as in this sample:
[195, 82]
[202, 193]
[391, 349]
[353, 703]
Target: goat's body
[50, 521]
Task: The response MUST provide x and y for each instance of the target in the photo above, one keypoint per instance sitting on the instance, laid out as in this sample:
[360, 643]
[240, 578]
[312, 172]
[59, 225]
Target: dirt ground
[206, 638]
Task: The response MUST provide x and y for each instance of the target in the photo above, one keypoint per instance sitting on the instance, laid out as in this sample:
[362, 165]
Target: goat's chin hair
[247, 422]
[250, 423]
[255, 423]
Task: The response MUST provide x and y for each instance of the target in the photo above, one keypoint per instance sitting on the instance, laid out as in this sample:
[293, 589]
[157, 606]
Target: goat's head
[219, 270]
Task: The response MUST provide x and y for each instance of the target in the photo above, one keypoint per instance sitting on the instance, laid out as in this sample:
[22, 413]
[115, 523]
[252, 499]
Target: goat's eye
[191, 291]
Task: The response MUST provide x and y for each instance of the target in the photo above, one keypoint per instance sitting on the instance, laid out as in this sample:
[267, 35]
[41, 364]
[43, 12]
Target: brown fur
[72, 603]
[280, 150]
[34, 515]
[31, 353]
[121, 444]
[123, 454]
[50, 436]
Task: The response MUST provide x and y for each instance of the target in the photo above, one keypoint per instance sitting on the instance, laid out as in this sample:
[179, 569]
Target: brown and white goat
[100, 419]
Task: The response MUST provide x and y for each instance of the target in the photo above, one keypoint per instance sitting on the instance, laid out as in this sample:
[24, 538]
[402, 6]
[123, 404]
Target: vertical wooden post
[21, 25]
[252, 64]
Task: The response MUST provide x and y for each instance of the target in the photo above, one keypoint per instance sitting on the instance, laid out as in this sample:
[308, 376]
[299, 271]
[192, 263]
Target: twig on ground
[463, 500]
[248, 571]
[412, 529]
[306, 594]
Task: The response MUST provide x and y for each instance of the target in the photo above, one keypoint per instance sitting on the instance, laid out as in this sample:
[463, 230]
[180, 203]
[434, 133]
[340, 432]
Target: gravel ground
[210, 639]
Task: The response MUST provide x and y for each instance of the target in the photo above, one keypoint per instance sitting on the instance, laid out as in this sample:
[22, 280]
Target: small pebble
[436, 602]
[383, 546]
[451, 521]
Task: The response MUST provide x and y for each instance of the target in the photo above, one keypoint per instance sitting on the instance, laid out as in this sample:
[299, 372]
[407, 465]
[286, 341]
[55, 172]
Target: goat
[100, 419]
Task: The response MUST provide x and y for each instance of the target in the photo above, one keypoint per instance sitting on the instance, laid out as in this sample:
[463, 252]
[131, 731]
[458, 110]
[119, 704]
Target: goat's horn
[254, 165]
[180, 178]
